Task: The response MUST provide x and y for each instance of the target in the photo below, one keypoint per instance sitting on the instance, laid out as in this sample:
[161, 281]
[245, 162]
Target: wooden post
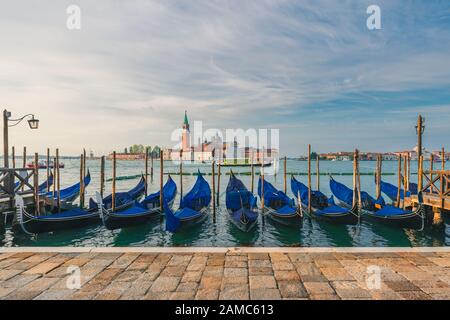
[81, 182]
[309, 178]
[252, 173]
[443, 159]
[399, 179]
[151, 163]
[24, 161]
[420, 175]
[13, 154]
[404, 180]
[377, 177]
[146, 172]
[36, 184]
[354, 180]
[431, 170]
[218, 183]
[58, 202]
[48, 170]
[161, 182]
[284, 175]
[102, 176]
[358, 177]
[262, 183]
[409, 171]
[84, 166]
[318, 173]
[214, 189]
[55, 179]
[113, 197]
[181, 175]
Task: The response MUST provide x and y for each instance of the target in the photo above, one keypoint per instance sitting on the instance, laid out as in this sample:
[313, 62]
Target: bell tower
[185, 138]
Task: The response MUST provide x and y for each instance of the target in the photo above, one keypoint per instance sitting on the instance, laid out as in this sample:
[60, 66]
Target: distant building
[127, 156]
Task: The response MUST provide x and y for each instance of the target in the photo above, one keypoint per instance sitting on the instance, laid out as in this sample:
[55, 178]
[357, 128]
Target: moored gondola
[193, 208]
[139, 212]
[377, 210]
[241, 205]
[277, 205]
[69, 194]
[323, 208]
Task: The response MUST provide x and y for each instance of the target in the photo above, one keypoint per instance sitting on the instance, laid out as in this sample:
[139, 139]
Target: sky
[311, 69]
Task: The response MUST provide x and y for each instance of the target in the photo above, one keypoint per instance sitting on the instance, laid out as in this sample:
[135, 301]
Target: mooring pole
[181, 175]
[161, 182]
[420, 175]
[284, 174]
[218, 183]
[55, 179]
[354, 179]
[419, 129]
[146, 171]
[59, 181]
[399, 179]
[84, 166]
[36, 184]
[113, 197]
[48, 170]
[102, 176]
[252, 173]
[151, 164]
[24, 161]
[409, 171]
[405, 169]
[431, 170]
[262, 182]
[213, 188]
[81, 181]
[443, 159]
[309, 178]
[13, 154]
[318, 172]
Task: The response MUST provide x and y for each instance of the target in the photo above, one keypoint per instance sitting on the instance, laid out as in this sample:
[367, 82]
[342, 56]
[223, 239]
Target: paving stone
[54, 295]
[260, 271]
[258, 256]
[279, 257]
[22, 295]
[319, 288]
[182, 295]
[235, 293]
[210, 282]
[235, 280]
[292, 289]
[401, 286]
[165, 284]
[300, 257]
[324, 297]
[128, 276]
[265, 294]
[5, 291]
[192, 276]
[151, 295]
[6, 274]
[179, 260]
[236, 264]
[124, 260]
[173, 271]
[40, 284]
[213, 271]
[215, 262]
[235, 272]
[336, 274]
[19, 281]
[283, 266]
[414, 295]
[187, 286]
[105, 276]
[327, 263]
[287, 276]
[385, 295]
[350, 290]
[258, 282]
[207, 294]
[42, 268]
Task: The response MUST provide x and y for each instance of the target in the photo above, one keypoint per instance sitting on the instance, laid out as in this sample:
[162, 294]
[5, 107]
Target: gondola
[139, 212]
[69, 194]
[278, 205]
[122, 199]
[241, 205]
[377, 210]
[72, 218]
[391, 191]
[323, 208]
[193, 209]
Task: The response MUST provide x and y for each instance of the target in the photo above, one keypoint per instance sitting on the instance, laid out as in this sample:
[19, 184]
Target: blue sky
[309, 68]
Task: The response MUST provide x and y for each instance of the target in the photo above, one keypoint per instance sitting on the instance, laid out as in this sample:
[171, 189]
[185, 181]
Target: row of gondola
[132, 208]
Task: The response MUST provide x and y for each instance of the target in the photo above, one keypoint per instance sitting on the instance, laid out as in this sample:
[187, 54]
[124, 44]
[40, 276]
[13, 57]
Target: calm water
[222, 233]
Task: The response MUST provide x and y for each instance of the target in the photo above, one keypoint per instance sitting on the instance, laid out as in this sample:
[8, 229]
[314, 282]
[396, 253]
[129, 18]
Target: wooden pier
[436, 189]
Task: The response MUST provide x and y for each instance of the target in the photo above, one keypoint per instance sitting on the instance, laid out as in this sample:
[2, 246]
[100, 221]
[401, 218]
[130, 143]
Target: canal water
[222, 232]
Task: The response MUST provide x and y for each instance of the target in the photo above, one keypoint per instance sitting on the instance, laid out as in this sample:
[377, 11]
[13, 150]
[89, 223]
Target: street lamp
[33, 123]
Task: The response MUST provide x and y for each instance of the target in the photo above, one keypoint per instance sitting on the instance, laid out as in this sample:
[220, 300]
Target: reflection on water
[223, 233]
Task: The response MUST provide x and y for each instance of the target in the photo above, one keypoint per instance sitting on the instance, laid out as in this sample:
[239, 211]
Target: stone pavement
[259, 273]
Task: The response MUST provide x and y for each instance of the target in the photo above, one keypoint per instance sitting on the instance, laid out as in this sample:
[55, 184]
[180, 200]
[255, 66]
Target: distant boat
[43, 165]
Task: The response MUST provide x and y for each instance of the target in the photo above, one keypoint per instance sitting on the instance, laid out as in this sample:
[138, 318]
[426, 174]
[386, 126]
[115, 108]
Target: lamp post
[32, 122]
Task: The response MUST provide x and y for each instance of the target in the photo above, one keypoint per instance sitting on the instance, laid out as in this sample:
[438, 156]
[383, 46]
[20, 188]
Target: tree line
[139, 148]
